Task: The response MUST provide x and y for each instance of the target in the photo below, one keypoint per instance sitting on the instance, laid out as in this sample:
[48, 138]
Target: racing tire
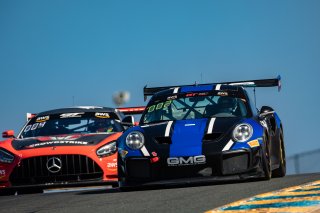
[266, 161]
[281, 171]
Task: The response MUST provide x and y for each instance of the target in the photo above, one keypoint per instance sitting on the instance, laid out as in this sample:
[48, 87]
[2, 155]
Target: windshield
[194, 106]
[72, 123]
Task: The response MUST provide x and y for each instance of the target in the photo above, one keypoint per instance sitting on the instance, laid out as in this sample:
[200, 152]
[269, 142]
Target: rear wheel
[281, 171]
[266, 161]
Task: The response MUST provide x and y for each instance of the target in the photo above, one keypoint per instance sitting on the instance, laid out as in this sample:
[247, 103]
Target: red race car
[69, 146]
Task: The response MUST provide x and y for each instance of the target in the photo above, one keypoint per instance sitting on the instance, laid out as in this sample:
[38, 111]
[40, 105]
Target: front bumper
[76, 170]
[229, 165]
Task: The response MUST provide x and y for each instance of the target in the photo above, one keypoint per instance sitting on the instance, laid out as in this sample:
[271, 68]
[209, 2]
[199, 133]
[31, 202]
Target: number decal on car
[159, 106]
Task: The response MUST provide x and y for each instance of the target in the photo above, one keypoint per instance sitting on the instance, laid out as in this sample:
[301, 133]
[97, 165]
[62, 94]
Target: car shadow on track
[166, 186]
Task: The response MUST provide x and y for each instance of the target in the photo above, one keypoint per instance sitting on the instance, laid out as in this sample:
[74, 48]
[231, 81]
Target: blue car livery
[202, 133]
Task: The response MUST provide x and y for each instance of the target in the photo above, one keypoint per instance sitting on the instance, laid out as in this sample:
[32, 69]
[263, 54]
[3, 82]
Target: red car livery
[64, 146]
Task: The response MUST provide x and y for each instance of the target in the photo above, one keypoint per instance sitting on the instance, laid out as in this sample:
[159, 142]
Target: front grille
[74, 168]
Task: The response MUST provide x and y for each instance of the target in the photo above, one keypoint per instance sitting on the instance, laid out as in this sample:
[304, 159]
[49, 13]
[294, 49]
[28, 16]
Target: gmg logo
[184, 161]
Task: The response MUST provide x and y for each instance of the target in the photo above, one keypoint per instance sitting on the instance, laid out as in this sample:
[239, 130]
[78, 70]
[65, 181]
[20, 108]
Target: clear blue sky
[51, 51]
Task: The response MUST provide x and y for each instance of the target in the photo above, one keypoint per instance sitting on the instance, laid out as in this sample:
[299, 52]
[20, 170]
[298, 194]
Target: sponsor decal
[43, 118]
[186, 161]
[61, 142]
[72, 115]
[102, 115]
[253, 143]
[191, 94]
[112, 165]
[223, 93]
[69, 137]
[197, 94]
[123, 153]
[172, 97]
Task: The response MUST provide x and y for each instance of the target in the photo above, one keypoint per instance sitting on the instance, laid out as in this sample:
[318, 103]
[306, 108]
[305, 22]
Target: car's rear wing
[132, 110]
[274, 82]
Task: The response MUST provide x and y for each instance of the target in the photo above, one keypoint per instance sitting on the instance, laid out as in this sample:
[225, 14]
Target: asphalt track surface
[195, 198]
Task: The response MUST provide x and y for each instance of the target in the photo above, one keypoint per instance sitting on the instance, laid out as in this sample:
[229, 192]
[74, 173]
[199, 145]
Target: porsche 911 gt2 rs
[200, 133]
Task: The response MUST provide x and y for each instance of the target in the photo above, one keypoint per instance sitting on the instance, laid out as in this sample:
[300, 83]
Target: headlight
[135, 140]
[6, 157]
[242, 132]
[107, 149]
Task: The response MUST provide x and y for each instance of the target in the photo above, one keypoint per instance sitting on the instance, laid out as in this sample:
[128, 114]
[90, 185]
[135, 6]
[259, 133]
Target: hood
[220, 125]
[65, 140]
[185, 136]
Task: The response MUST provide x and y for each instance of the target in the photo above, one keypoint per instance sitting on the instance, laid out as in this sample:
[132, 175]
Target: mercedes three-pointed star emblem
[54, 165]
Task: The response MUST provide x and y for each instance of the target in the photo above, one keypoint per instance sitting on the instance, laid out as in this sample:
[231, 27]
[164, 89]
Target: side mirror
[265, 111]
[128, 121]
[8, 134]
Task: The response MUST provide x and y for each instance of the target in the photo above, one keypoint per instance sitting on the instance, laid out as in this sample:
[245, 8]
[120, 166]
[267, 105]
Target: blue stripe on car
[187, 137]
[196, 88]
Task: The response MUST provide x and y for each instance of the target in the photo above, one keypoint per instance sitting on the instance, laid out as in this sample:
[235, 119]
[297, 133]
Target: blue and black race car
[200, 133]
